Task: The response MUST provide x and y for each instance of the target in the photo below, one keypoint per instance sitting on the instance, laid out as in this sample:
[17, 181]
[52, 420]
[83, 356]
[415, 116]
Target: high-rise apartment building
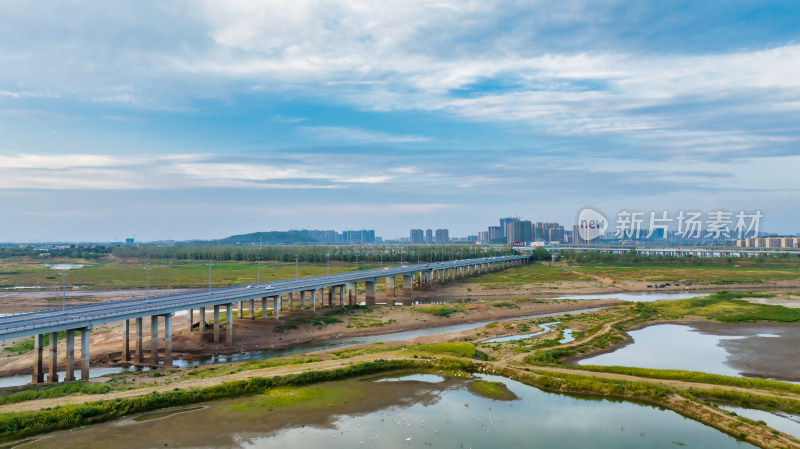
[514, 232]
[494, 233]
[442, 236]
[429, 237]
[417, 237]
[504, 225]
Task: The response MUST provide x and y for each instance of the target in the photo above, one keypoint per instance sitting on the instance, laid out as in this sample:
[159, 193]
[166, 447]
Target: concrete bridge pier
[38, 365]
[53, 357]
[85, 352]
[216, 324]
[341, 295]
[303, 300]
[352, 293]
[314, 301]
[139, 340]
[370, 294]
[390, 286]
[264, 308]
[126, 343]
[168, 339]
[407, 285]
[70, 368]
[229, 325]
[276, 307]
[202, 319]
[154, 340]
[253, 309]
[330, 296]
[191, 320]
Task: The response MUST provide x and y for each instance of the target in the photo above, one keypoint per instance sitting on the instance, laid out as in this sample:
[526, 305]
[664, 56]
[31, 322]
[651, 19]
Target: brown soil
[255, 334]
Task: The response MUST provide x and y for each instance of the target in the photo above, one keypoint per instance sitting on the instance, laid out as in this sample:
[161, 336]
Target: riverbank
[301, 328]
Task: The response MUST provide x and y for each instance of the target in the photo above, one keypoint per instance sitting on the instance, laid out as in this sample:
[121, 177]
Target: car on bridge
[269, 287]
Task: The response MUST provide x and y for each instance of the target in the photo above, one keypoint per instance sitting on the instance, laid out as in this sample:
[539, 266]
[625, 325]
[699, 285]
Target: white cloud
[357, 135]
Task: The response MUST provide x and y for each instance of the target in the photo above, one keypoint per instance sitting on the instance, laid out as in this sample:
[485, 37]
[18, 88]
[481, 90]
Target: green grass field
[528, 274]
[163, 274]
[743, 273]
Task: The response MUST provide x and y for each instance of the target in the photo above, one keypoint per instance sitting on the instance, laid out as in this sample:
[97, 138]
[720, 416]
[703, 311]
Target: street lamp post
[209, 275]
[356, 261]
[258, 280]
[329, 263]
[295, 267]
[64, 298]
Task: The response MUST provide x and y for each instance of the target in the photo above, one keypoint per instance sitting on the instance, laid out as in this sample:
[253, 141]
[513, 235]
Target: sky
[203, 119]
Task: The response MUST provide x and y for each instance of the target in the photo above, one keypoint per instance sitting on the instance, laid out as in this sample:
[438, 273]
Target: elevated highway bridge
[341, 288]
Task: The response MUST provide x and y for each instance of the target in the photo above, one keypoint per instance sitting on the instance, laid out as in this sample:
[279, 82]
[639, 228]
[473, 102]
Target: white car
[386, 269]
[269, 287]
[249, 286]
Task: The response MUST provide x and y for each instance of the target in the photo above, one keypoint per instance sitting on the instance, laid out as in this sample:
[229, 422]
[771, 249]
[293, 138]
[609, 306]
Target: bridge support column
[216, 324]
[252, 309]
[264, 308]
[291, 302]
[168, 339]
[191, 320]
[202, 319]
[314, 300]
[276, 308]
[330, 296]
[53, 357]
[303, 300]
[352, 293]
[126, 344]
[154, 340]
[139, 339]
[85, 353]
[229, 325]
[390, 286]
[407, 285]
[241, 309]
[370, 294]
[38, 365]
[70, 368]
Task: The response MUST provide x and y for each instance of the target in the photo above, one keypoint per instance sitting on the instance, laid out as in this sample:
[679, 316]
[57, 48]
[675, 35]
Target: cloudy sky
[201, 119]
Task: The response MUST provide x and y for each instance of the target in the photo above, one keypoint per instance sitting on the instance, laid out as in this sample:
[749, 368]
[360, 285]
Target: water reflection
[408, 414]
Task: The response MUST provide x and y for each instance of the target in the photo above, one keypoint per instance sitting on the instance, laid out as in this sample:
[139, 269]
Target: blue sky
[203, 119]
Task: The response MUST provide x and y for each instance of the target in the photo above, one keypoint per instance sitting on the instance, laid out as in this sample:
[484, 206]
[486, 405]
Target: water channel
[418, 412]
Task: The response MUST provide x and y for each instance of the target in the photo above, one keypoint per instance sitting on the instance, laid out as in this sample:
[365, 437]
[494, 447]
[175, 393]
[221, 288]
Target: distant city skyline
[208, 119]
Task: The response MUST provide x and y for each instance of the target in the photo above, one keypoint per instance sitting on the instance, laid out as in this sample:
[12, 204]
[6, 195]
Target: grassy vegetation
[466, 350]
[221, 370]
[493, 390]
[444, 311]
[319, 321]
[505, 305]
[352, 352]
[694, 376]
[365, 322]
[742, 273]
[746, 399]
[527, 274]
[317, 396]
[55, 391]
[15, 425]
[722, 306]
[111, 274]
